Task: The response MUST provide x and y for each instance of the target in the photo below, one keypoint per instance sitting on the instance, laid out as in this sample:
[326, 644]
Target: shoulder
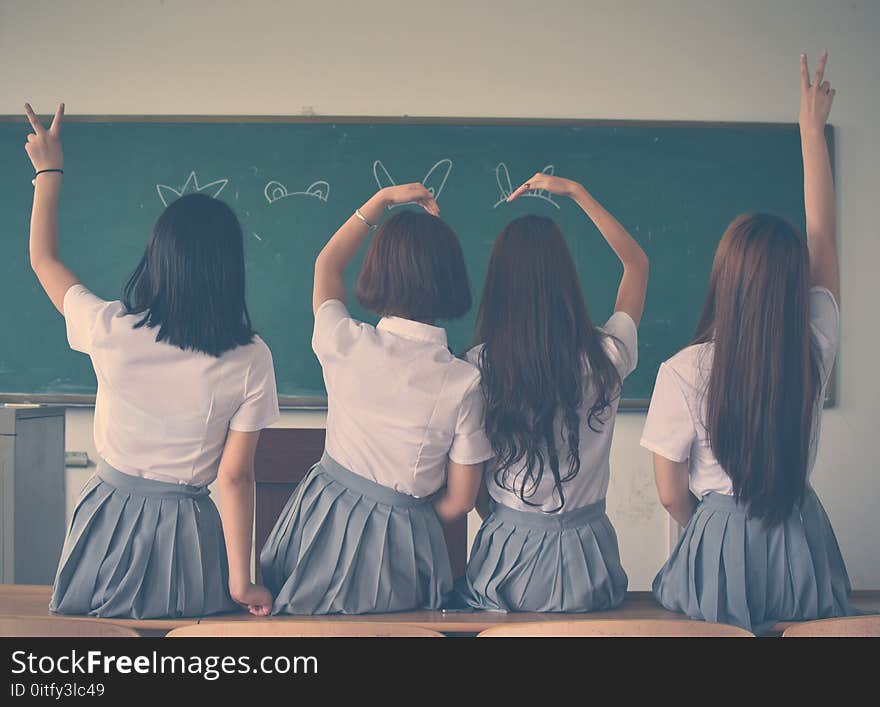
[824, 311]
[691, 365]
[620, 339]
[333, 312]
[473, 355]
[79, 298]
[824, 326]
[260, 350]
[620, 325]
[253, 356]
[464, 376]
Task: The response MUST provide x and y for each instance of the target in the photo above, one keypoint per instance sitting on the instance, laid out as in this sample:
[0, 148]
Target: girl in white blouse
[551, 382]
[405, 446]
[184, 388]
[734, 419]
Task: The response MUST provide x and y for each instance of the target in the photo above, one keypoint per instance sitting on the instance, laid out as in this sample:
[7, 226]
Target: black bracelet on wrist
[41, 171]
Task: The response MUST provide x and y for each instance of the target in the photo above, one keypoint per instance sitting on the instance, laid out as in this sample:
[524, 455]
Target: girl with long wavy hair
[551, 380]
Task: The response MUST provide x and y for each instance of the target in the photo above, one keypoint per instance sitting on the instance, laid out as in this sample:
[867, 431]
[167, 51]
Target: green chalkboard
[675, 186]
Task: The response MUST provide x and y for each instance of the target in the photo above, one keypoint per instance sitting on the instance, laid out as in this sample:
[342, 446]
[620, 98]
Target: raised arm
[816, 100]
[44, 149]
[345, 243]
[634, 283]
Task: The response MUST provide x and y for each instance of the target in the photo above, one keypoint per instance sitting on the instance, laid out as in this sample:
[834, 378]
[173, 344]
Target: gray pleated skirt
[142, 549]
[729, 568]
[346, 545]
[532, 561]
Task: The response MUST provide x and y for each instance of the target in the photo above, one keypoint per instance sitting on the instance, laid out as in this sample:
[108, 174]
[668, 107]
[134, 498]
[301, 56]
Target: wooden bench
[33, 600]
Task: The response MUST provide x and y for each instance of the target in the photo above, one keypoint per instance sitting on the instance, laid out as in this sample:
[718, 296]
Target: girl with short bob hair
[551, 380]
[184, 388]
[734, 419]
[405, 446]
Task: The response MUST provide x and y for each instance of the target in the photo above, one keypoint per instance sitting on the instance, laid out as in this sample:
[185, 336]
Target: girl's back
[162, 412]
[619, 340]
[398, 400]
[677, 426]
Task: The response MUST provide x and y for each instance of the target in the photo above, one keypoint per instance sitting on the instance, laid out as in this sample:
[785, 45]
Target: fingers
[519, 191]
[825, 87]
[820, 70]
[55, 128]
[33, 119]
[430, 205]
[532, 184]
[805, 73]
[420, 194]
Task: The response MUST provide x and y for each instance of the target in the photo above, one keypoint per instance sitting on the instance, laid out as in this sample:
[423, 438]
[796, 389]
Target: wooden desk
[637, 605]
[33, 600]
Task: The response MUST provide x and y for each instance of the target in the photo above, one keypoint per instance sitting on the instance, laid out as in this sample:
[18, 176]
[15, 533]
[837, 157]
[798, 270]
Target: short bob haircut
[414, 269]
[190, 282]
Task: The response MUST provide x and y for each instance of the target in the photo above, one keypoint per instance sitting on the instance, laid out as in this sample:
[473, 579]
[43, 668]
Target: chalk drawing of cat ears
[190, 186]
[502, 178]
[434, 180]
[276, 190]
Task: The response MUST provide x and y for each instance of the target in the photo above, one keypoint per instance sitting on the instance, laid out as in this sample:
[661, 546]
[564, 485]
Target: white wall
[679, 59]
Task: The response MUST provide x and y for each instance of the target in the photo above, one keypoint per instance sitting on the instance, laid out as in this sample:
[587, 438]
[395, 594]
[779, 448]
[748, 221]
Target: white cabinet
[32, 510]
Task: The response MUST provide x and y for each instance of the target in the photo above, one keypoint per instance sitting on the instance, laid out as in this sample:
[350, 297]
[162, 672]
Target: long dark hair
[765, 374]
[190, 282]
[540, 350]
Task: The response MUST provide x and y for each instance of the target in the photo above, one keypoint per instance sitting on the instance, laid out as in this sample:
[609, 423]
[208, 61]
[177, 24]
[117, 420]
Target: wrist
[238, 585]
[812, 132]
[576, 191]
[379, 200]
[48, 173]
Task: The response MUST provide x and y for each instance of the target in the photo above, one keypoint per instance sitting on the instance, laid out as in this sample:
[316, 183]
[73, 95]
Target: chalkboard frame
[291, 402]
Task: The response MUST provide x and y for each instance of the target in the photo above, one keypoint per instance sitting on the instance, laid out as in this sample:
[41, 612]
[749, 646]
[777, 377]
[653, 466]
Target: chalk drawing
[502, 178]
[190, 186]
[434, 180]
[276, 190]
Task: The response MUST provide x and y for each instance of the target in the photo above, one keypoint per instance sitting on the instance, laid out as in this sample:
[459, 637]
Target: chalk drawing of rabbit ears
[190, 186]
[276, 190]
[434, 180]
[502, 177]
